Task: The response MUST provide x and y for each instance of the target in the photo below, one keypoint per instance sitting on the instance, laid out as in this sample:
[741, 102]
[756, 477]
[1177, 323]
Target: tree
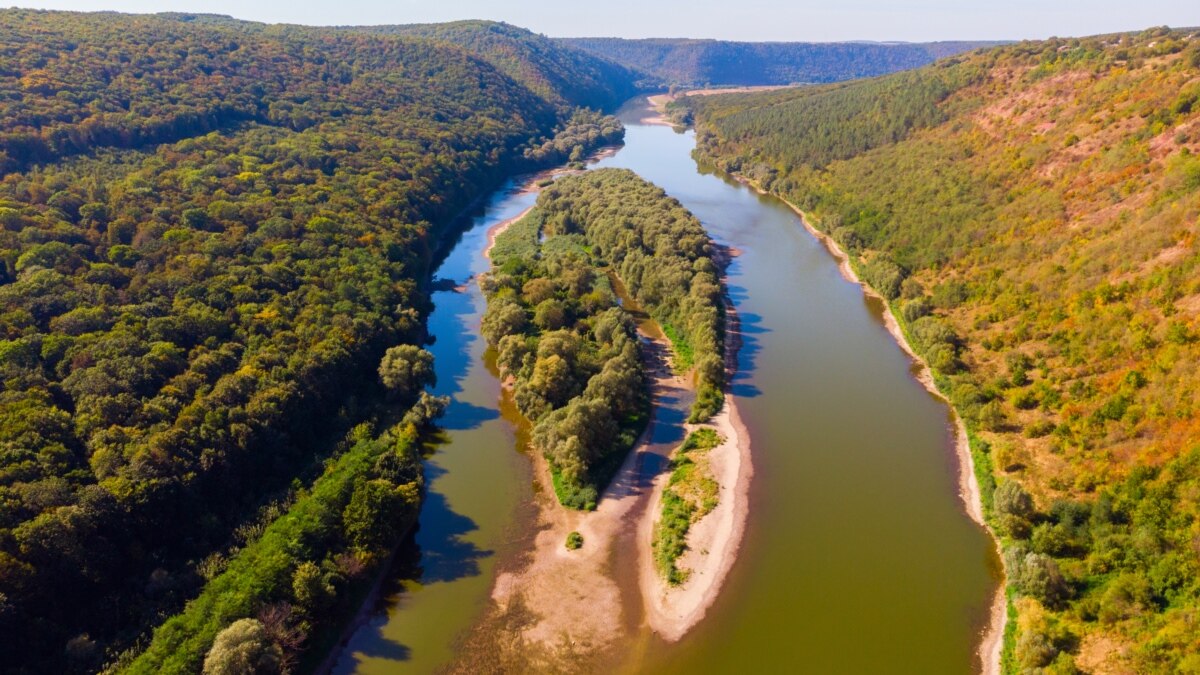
[1037, 576]
[550, 314]
[243, 648]
[377, 513]
[427, 409]
[311, 588]
[503, 318]
[406, 370]
[1014, 506]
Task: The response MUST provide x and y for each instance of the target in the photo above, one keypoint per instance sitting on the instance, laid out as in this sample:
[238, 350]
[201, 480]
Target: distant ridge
[689, 62]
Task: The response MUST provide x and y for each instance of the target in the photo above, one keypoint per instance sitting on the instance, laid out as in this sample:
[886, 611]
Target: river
[858, 556]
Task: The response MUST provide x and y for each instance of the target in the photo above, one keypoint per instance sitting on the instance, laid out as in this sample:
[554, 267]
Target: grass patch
[685, 356]
[691, 493]
[519, 240]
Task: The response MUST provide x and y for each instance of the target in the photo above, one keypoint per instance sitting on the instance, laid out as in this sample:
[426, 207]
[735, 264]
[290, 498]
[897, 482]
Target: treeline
[586, 129]
[1034, 230]
[696, 63]
[813, 126]
[571, 353]
[309, 570]
[185, 327]
[664, 257]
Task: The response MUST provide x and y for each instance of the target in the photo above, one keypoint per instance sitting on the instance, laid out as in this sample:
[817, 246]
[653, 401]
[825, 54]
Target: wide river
[859, 556]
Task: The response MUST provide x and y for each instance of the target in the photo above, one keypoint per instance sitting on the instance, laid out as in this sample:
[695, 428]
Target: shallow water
[858, 555]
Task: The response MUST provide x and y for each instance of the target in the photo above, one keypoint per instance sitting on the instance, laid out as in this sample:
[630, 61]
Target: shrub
[574, 541]
[243, 648]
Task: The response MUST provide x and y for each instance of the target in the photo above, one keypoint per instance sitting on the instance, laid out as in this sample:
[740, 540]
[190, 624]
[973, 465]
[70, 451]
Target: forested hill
[210, 233]
[684, 62]
[1031, 213]
[555, 71]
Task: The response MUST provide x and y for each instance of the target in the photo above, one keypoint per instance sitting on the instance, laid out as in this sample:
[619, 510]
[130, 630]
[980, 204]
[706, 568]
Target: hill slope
[210, 232]
[554, 70]
[686, 62]
[1031, 213]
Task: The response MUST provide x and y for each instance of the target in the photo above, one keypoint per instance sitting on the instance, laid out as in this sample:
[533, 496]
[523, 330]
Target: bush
[1038, 576]
[241, 649]
[884, 276]
[574, 541]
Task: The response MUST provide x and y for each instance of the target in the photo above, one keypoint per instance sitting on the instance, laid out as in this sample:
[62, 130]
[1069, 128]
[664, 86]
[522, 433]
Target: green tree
[311, 588]
[377, 512]
[243, 648]
[1014, 507]
[406, 370]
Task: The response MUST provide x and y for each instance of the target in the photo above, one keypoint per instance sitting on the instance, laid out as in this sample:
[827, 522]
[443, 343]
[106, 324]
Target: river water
[858, 556]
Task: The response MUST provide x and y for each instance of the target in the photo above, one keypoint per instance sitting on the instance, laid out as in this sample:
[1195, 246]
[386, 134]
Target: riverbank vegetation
[1030, 214]
[309, 569]
[691, 493]
[211, 232]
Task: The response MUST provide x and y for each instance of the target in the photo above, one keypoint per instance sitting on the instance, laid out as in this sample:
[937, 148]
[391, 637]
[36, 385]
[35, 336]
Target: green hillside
[1030, 212]
[555, 71]
[210, 233]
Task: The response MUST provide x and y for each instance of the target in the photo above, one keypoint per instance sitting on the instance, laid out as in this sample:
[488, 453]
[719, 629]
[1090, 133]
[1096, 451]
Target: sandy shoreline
[569, 603]
[993, 638]
[714, 541]
[499, 229]
[658, 102]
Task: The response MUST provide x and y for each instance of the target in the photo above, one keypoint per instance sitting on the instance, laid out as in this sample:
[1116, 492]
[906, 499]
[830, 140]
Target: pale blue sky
[808, 20]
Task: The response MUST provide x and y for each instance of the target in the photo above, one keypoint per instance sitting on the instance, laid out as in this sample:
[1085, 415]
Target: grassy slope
[1040, 202]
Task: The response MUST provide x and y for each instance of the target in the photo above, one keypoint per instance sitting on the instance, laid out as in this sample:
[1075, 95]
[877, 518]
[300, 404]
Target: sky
[787, 20]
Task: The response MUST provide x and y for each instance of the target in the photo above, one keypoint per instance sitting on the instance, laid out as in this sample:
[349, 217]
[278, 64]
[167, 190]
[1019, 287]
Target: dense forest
[564, 76]
[215, 239]
[570, 352]
[562, 337]
[662, 255]
[663, 62]
[1030, 213]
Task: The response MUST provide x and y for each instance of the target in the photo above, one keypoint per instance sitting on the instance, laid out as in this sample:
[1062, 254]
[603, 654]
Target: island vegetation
[214, 235]
[690, 494]
[1030, 214]
[569, 349]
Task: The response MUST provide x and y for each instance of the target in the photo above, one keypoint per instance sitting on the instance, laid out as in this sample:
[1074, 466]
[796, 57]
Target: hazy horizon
[803, 21]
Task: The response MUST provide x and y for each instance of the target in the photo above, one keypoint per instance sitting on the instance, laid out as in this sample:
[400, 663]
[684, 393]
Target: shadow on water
[452, 354]
[446, 556]
[750, 327]
[463, 416]
[382, 647]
